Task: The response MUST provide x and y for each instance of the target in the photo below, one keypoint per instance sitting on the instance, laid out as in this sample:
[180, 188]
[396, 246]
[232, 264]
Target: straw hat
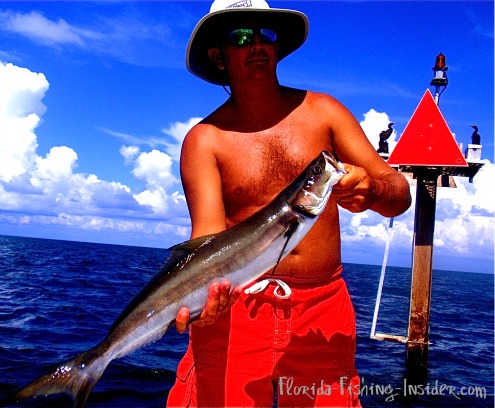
[291, 27]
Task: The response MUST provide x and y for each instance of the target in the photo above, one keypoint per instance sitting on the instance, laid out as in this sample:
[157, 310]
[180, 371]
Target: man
[248, 349]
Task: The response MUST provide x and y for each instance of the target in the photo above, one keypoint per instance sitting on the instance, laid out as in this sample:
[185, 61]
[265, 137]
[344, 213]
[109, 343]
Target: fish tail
[76, 377]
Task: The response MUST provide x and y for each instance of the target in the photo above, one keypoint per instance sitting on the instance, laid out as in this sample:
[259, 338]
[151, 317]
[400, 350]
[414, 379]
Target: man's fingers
[219, 299]
[211, 307]
[182, 320]
[224, 294]
[235, 295]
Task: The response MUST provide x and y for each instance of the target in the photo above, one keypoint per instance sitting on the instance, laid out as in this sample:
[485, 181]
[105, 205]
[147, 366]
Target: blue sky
[95, 101]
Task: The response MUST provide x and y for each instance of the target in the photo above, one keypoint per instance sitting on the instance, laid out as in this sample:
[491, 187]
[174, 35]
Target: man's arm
[370, 182]
[387, 194]
[203, 188]
[201, 181]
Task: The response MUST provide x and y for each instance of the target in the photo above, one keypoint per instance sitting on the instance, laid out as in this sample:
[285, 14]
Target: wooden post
[419, 313]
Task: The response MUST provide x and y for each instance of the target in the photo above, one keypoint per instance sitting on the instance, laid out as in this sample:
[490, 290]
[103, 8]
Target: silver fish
[240, 254]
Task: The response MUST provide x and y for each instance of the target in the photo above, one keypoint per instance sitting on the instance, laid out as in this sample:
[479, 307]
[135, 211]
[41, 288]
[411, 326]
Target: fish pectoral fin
[291, 228]
[289, 231]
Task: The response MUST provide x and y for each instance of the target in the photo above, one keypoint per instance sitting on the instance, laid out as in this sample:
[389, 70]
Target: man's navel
[238, 191]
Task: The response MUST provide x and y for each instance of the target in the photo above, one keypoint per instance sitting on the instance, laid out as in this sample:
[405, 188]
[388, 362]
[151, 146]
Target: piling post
[422, 266]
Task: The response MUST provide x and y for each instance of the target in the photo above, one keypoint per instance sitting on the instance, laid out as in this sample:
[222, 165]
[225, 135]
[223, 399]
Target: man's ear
[216, 56]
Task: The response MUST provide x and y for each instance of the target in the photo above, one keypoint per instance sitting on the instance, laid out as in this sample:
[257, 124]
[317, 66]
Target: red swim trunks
[297, 351]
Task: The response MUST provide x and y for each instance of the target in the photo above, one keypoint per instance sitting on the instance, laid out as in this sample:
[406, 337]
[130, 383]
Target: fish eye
[316, 170]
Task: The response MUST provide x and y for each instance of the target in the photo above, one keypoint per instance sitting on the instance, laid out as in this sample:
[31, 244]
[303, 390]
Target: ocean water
[59, 298]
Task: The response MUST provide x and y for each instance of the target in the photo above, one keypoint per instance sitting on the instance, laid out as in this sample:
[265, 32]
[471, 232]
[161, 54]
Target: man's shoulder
[322, 97]
[201, 136]
[323, 103]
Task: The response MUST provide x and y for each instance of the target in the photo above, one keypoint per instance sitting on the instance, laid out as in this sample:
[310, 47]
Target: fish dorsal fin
[183, 250]
[176, 254]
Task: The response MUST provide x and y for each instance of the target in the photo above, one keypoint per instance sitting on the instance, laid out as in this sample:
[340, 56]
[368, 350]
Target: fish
[240, 254]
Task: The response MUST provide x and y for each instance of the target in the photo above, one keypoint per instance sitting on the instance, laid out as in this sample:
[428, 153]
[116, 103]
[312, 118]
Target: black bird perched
[384, 135]
[475, 137]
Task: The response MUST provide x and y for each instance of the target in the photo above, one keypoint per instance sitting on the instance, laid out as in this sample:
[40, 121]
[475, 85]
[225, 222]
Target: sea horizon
[165, 248]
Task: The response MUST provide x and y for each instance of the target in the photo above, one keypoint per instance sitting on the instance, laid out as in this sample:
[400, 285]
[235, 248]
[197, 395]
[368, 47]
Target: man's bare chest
[255, 167]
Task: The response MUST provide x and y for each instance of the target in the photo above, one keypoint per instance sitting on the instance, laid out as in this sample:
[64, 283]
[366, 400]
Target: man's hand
[356, 190]
[219, 300]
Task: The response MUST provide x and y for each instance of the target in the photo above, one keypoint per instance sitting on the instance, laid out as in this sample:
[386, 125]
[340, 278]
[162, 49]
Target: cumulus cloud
[48, 190]
[129, 153]
[466, 214]
[155, 168]
[21, 110]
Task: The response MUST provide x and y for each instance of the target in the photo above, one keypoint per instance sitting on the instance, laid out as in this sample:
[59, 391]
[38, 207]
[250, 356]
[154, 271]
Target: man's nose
[256, 42]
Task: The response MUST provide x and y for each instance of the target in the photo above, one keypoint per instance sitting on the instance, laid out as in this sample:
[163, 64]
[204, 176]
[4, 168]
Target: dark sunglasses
[245, 36]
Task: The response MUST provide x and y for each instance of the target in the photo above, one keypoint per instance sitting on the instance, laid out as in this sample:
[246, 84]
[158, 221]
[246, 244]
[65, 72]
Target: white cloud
[57, 165]
[155, 168]
[129, 153]
[20, 113]
[48, 190]
[465, 215]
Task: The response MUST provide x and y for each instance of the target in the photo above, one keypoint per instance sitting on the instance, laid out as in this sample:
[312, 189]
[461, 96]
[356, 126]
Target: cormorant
[384, 135]
[475, 137]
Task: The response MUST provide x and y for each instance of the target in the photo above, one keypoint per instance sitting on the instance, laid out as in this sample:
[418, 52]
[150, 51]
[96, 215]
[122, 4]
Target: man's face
[248, 52]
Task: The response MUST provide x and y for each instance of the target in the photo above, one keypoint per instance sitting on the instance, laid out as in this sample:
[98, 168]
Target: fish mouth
[330, 160]
[321, 176]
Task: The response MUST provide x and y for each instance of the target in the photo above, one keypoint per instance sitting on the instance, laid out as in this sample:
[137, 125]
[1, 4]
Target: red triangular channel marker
[427, 139]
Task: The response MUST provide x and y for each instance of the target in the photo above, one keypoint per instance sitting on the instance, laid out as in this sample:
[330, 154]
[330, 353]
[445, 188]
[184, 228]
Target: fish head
[310, 191]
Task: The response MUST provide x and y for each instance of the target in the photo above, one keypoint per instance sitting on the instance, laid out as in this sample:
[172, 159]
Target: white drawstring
[261, 286]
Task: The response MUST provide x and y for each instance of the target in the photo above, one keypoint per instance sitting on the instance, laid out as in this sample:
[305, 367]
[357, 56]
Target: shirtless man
[233, 163]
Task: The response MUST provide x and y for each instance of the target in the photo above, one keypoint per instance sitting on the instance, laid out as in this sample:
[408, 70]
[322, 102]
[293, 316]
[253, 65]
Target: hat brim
[291, 27]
